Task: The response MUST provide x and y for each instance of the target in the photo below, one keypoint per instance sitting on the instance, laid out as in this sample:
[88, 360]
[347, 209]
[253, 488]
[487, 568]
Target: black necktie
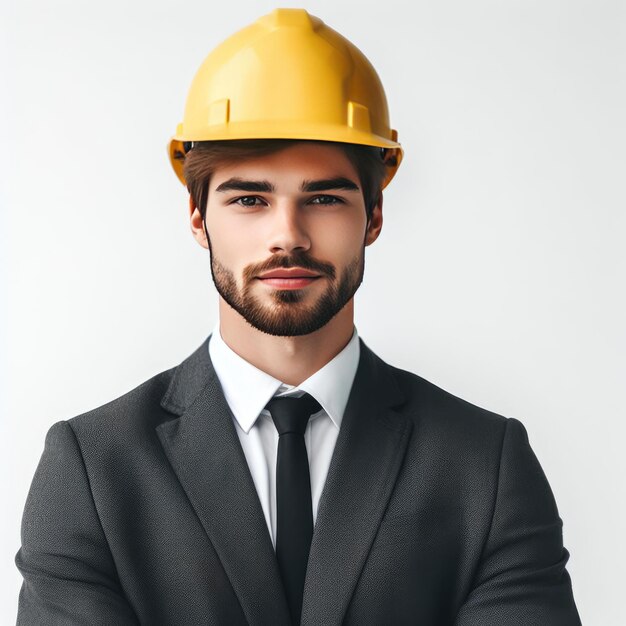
[293, 494]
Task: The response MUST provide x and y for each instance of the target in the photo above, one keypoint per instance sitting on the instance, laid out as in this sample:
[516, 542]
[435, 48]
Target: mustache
[297, 259]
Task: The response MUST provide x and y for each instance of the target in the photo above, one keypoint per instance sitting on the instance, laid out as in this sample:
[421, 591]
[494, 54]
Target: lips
[296, 272]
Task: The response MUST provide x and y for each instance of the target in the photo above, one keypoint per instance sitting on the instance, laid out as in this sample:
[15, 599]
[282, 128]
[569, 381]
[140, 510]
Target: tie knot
[291, 414]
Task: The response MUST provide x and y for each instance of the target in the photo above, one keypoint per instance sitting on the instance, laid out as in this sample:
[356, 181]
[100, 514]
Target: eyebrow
[260, 186]
[238, 184]
[329, 184]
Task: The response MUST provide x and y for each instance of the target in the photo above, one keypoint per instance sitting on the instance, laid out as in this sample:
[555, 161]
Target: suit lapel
[365, 464]
[204, 450]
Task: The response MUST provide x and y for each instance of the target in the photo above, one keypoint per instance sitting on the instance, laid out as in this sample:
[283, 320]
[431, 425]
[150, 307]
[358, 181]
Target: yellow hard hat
[287, 76]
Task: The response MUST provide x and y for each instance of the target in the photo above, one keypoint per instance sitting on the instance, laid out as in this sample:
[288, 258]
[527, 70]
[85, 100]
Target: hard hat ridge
[284, 18]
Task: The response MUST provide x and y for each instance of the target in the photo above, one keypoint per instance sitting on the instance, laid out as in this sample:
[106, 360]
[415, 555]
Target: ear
[197, 227]
[375, 223]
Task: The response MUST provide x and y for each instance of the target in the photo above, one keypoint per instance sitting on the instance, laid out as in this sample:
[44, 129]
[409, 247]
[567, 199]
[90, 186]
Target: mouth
[292, 282]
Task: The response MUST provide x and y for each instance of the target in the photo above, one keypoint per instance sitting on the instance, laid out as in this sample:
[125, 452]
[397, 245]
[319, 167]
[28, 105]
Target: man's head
[285, 147]
[268, 204]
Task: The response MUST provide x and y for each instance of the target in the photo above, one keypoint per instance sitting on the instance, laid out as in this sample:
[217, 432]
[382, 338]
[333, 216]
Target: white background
[499, 274]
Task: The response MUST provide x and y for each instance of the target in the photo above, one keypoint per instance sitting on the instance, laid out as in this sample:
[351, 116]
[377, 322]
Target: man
[283, 473]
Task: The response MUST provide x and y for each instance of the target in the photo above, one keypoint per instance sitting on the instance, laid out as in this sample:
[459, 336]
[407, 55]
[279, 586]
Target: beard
[288, 314]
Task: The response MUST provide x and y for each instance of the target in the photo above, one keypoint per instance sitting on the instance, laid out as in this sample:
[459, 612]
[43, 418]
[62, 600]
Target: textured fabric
[293, 495]
[434, 512]
[247, 390]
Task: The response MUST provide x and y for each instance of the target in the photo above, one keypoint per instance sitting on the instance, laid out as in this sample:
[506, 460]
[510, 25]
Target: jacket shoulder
[137, 409]
[436, 398]
[441, 415]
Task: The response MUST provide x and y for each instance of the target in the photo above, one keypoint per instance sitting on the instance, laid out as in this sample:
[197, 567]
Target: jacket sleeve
[69, 573]
[521, 579]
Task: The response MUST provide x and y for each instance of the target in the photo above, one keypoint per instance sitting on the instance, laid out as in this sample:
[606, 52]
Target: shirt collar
[248, 389]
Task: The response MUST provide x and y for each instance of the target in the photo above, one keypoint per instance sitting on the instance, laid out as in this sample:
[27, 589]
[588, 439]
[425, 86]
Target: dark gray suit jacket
[435, 512]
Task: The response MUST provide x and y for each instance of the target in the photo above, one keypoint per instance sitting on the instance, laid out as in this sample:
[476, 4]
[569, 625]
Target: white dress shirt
[248, 389]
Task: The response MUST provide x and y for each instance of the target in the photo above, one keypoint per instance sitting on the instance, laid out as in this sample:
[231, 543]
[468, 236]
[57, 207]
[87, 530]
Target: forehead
[297, 163]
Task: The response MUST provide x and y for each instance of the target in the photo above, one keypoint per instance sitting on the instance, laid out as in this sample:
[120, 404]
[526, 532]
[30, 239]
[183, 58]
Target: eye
[247, 201]
[326, 200]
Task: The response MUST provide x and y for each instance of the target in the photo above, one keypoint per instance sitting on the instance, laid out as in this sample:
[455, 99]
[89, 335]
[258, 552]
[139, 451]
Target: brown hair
[203, 158]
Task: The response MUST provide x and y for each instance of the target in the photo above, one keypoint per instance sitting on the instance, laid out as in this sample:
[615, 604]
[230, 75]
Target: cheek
[234, 247]
[341, 240]
[226, 238]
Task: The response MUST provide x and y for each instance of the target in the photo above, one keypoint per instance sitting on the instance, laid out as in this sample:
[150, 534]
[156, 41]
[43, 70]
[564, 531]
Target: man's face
[300, 212]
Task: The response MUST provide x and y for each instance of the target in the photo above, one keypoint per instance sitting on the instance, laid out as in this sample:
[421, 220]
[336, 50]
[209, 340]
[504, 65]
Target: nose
[288, 230]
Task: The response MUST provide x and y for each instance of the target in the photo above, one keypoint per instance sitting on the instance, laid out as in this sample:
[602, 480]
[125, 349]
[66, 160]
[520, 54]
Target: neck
[289, 359]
